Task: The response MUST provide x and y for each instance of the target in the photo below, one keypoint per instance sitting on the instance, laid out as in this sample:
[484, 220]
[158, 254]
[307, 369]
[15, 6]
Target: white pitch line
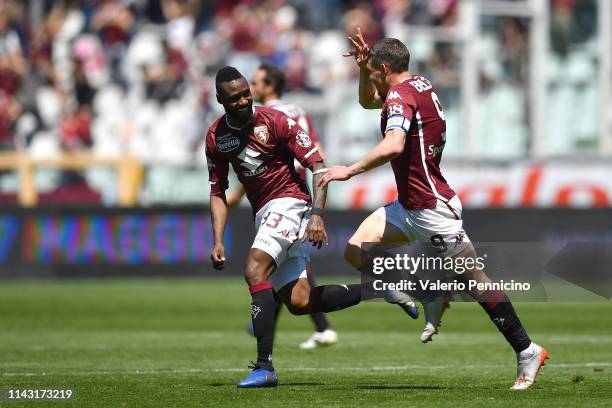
[298, 369]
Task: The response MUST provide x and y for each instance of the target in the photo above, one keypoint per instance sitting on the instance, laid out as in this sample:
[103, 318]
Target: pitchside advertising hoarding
[177, 241]
[517, 184]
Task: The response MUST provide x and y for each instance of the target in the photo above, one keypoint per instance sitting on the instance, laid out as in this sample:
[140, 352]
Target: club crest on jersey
[227, 143]
[261, 133]
[394, 95]
[303, 139]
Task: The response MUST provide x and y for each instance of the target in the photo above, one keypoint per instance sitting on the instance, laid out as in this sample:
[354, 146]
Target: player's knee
[254, 274]
[299, 306]
[352, 254]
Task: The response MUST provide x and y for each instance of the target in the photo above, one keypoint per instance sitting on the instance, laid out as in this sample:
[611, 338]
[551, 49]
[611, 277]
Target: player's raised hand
[315, 231]
[361, 50]
[335, 173]
[218, 256]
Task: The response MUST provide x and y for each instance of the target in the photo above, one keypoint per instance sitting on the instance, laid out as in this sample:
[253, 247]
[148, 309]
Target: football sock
[502, 314]
[263, 312]
[329, 298]
[279, 306]
[320, 321]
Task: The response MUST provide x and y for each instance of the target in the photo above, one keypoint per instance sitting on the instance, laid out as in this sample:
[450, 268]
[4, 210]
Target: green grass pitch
[181, 343]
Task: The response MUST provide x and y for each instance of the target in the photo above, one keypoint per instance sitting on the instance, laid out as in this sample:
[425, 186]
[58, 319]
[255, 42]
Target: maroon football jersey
[413, 106]
[261, 153]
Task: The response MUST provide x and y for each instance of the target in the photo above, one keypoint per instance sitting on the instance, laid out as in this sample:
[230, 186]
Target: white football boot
[529, 362]
[324, 338]
[434, 310]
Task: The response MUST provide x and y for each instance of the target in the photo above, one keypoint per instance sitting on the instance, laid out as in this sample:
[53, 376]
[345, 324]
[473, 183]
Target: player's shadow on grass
[305, 383]
[400, 387]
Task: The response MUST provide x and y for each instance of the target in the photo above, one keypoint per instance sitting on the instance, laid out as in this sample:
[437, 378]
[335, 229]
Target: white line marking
[298, 369]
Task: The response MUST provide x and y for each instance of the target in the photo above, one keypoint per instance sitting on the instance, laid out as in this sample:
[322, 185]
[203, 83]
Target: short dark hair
[392, 52]
[226, 74]
[274, 77]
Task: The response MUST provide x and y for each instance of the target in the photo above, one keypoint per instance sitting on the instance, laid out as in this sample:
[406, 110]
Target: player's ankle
[265, 365]
[528, 352]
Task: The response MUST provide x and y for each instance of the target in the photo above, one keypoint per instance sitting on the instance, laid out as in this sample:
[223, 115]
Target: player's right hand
[361, 51]
[218, 256]
[315, 231]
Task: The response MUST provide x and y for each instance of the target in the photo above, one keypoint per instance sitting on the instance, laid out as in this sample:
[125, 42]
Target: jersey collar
[239, 128]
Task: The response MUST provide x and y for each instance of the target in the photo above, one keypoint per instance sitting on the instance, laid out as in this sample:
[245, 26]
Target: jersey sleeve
[297, 140]
[218, 167]
[399, 110]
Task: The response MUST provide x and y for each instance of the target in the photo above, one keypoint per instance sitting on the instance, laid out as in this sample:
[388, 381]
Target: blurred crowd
[57, 56]
[117, 76]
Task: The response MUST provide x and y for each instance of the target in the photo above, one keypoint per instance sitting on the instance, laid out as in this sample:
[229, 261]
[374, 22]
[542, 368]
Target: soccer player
[427, 209]
[260, 144]
[267, 87]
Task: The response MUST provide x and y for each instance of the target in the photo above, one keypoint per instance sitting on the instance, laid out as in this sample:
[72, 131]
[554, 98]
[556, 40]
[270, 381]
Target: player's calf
[352, 254]
[263, 305]
[301, 299]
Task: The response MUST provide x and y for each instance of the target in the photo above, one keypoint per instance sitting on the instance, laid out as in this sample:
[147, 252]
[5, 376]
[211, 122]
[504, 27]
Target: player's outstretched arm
[218, 215]
[315, 230]
[389, 148]
[368, 96]
[234, 198]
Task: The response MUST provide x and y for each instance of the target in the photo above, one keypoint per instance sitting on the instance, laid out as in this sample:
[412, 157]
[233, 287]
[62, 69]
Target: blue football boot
[404, 301]
[259, 378]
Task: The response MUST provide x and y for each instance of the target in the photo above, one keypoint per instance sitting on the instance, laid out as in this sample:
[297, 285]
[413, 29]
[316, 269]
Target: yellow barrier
[129, 173]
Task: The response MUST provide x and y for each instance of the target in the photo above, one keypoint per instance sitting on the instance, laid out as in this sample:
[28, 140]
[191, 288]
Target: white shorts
[435, 225]
[279, 225]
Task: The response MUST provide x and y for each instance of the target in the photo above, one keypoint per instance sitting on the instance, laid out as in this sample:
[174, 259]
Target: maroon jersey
[261, 154]
[413, 106]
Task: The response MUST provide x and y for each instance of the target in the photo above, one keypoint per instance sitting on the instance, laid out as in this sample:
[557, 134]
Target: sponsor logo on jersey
[248, 159]
[255, 172]
[303, 139]
[394, 95]
[434, 150]
[261, 133]
[227, 143]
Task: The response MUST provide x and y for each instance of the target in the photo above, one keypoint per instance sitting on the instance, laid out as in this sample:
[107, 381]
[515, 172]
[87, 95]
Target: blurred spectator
[12, 63]
[444, 12]
[113, 22]
[165, 81]
[363, 16]
[9, 113]
[75, 130]
[561, 25]
[181, 24]
[514, 48]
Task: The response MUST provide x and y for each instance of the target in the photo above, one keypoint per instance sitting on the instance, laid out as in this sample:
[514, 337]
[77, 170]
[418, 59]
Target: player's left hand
[315, 231]
[335, 173]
